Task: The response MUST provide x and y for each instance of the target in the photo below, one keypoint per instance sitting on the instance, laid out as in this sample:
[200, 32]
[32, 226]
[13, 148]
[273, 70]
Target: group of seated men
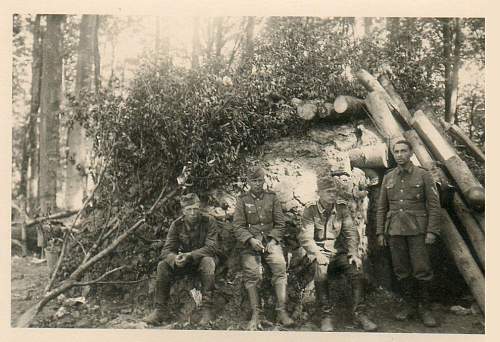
[327, 237]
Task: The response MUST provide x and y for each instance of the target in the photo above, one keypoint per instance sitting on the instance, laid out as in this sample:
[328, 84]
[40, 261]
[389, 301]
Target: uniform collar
[322, 209]
[408, 169]
[254, 196]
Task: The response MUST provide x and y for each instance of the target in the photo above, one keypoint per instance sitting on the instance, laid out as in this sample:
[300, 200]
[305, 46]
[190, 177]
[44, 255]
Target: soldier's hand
[381, 241]
[356, 261]
[322, 259]
[256, 245]
[430, 238]
[181, 260]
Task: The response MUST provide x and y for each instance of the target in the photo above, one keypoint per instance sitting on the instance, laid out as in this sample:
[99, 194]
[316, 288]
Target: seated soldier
[190, 249]
[259, 224]
[331, 241]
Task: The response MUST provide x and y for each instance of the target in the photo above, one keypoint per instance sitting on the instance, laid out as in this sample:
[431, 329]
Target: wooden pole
[349, 105]
[471, 188]
[460, 135]
[397, 101]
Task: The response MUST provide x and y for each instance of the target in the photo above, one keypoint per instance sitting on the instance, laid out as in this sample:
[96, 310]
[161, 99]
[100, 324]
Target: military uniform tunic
[260, 217]
[408, 208]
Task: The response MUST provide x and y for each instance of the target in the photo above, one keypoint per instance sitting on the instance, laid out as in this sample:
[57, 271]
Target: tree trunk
[382, 116]
[460, 135]
[473, 190]
[397, 101]
[349, 105]
[33, 153]
[51, 97]
[371, 156]
[157, 40]
[474, 233]
[249, 41]
[447, 48]
[195, 55]
[371, 84]
[76, 175]
[450, 115]
[463, 259]
[219, 36]
[97, 55]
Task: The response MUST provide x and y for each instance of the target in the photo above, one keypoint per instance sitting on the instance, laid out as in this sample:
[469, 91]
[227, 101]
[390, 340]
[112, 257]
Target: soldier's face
[327, 195]
[402, 153]
[256, 184]
[191, 213]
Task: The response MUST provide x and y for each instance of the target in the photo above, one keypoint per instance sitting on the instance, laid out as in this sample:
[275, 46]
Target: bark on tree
[382, 116]
[33, 152]
[195, 55]
[97, 55]
[372, 156]
[51, 96]
[219, 36]
[460, 135]
[76, 175]
[248, 47]
[472, 190]
[450, 115]
[448, 62]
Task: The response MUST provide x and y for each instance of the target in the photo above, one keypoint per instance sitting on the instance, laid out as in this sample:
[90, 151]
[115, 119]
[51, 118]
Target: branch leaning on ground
[27, 317]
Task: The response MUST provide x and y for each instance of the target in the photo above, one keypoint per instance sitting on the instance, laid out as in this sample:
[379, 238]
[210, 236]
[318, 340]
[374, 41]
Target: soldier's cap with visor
[190, 200]
[256, 172]
[324, 182]
[401, 140]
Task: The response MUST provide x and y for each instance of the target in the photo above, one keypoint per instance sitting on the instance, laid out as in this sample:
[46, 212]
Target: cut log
[397, 101]
[372, 156]
[463, 259]
[475, 234]
[382, 116]
[349, 105]
[307, 110]
[371, 84]
[460, 135]
[472, 190]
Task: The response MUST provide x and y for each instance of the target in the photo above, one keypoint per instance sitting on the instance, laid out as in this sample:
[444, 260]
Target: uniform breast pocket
[252, 214]
[389, 187]
[416, 190]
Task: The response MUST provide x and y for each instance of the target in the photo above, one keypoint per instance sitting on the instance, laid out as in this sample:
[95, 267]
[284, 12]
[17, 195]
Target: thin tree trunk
[450, 115]
[51, 98]
[219, 36]
[447, 48]
[33, 153]
[97, 56]
[77, 155]
[248, 47]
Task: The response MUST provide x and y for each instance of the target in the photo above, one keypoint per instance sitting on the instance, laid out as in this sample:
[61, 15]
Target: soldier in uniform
[259, 224]
[331, 242]
[190, 248]
[408, 220]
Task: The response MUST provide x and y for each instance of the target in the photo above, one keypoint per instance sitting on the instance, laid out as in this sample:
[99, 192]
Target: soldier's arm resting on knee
[306, 233]
[169, 251]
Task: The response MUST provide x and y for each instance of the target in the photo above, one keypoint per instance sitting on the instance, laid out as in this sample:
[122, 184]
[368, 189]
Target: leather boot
[359, 313]
[253, 297]
[424, 311]
[409, 294]
[162, 296]
[323, 304]
[208, 282]
[281, 314]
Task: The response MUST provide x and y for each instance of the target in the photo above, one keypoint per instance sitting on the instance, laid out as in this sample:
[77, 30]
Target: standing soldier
[407, 220]
[190, 249]
[259, 224]
[331, 242]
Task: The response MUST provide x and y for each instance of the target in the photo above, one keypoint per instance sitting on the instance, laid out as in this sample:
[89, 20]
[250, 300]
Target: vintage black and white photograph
[248, 173]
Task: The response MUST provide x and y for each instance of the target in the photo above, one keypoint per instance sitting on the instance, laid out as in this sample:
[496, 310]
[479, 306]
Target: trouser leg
[207, 272]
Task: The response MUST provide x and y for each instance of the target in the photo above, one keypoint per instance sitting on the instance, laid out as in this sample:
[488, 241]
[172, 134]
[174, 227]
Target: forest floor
[28, 278]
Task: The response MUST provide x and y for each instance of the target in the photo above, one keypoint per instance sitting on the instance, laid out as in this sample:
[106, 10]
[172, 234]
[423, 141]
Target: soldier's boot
[408, 292]
[253, 297]
[323, 304]
[360, 317]
[423, 310]
[207, 299]
[162, 296]
[281, 313]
